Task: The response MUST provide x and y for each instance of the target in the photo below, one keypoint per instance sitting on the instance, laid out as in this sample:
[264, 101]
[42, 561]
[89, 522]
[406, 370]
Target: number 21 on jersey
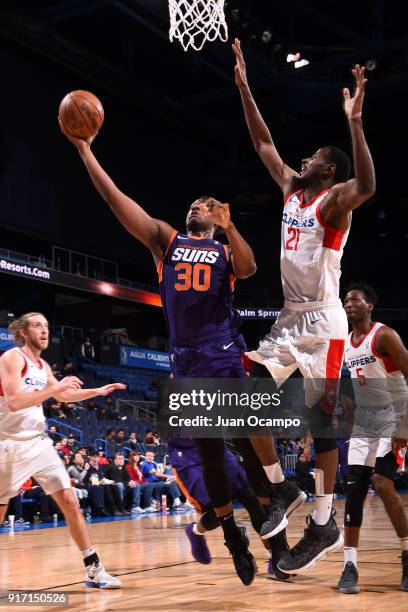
[291, 244]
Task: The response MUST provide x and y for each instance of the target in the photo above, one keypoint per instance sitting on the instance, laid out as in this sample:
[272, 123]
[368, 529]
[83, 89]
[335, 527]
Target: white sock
[350, 554]
[88, 552]
[404, 543]
[177, 501]
[321, 513]
[274, 473]
[195, 530]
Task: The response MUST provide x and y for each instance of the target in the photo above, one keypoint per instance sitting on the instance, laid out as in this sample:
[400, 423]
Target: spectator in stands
[77, 471]
[102, 460]
[134, 444]
[120, 437]
[64, 446]
[56, 371]
[87, 350]
[92, 405]
[52, 432]
[111, 409]
[119, 474]
[72, 444]
[55, 410]
[102, 414]
[31, 490]
[135, 474]
[68, 369]
[58, 448]
[152, 474]
[110, 435]
[95, 475]
[150, 438]
[84, 453]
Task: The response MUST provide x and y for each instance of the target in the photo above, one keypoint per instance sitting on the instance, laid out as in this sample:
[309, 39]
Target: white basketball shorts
[309, 336]
[23, 459]
[364, 451]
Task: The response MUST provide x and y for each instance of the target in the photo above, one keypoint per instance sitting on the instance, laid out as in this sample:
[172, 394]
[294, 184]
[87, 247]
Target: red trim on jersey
[389, 365]
[161, 261]
[312, 200]
[334, 360]
[25, 369]
[290, 194]
[1, 391]
[360, 342]
[332, 235]
[227, 252]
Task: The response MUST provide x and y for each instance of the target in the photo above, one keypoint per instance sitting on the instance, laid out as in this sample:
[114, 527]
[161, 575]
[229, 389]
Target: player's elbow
[246, 271]
[12, 403]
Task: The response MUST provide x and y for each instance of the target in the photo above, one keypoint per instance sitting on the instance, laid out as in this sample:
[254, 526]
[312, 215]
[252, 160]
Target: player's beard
[39, 345]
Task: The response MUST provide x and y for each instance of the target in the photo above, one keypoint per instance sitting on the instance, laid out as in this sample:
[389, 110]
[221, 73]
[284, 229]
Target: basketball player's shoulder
[12, 357]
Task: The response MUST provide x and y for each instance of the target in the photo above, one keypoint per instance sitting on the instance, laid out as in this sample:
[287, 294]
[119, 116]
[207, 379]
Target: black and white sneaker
[278, 546]
[404, 582]
[244, 562]
[317, 542]
[286, 497]
[348, 582]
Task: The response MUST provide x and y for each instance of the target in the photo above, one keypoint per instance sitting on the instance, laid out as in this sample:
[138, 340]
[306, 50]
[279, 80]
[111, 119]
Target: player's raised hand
[353, 105]
[109, 388]
[240, 68]
[219, 213]
[82, 144]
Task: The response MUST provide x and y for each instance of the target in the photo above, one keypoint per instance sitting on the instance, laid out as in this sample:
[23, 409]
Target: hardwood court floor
[152, 557]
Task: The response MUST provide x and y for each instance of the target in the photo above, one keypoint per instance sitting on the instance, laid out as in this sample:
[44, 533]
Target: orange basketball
[81, 114]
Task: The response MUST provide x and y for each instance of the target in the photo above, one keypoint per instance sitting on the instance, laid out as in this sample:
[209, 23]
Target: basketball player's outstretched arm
[353, 193]
[242, 257]
[75, 394]
[153, 233]
[11, 366]
[261, 136]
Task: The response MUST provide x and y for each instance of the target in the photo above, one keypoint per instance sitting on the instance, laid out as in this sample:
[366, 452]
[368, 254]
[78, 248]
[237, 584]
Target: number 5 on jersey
[197, 276]
[292, 242]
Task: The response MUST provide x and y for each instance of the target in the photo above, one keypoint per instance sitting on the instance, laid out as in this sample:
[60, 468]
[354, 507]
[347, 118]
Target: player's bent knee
[385, 470]
[324, 445]
[209, 520]
[357, 489]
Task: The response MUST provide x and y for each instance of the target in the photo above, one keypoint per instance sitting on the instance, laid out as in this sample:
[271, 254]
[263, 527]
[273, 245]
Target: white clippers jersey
[30, 422]
[311, 251]
[387, 385]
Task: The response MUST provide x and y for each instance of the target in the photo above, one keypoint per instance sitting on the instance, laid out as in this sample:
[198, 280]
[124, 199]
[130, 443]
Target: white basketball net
[193, 22]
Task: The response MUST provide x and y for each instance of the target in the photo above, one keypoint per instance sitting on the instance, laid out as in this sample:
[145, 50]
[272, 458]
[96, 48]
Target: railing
[290, 462]
[67, 428]
[140, 409]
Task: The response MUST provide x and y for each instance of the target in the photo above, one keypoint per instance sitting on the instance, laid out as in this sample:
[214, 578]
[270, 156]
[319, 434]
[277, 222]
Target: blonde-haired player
[26, 381]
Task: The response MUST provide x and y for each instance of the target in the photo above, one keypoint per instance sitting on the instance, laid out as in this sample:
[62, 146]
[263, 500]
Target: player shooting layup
[26, 381]
[196, 275]
[310, 331]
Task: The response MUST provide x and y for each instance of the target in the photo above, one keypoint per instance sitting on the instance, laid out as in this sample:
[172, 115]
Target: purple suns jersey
[196, 283]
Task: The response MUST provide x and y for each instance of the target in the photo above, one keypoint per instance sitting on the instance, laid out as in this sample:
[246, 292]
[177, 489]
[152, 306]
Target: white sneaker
[150, 509]
[137, 510]
[97, 577]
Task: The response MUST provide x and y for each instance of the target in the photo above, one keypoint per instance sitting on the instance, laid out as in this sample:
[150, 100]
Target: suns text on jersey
[194, 255]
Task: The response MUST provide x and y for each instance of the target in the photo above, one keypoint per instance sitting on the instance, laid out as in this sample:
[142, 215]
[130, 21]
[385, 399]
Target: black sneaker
[317, 542]
[276, 520]
[293, 497]
[348, 582]
[278, 546]
[244, 562]
[404, 582]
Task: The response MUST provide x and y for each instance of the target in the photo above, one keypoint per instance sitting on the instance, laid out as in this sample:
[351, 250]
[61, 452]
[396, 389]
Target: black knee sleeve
[252, 466]
[209, 520]
[324, 445]
[357, 489]
[215, 475]
[386, 466]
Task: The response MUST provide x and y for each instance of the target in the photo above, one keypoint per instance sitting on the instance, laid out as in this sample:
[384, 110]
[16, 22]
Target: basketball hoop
[193, 22]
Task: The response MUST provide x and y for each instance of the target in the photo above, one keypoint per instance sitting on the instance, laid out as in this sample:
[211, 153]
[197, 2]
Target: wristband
[356, 116]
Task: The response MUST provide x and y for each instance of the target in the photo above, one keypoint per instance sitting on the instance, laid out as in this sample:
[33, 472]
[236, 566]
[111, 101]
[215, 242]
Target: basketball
[81, 114]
